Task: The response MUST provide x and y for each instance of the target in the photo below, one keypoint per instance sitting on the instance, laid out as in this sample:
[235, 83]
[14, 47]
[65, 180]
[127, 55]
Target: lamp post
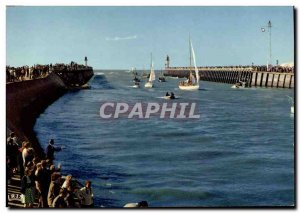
[270, 43]
[269, 61]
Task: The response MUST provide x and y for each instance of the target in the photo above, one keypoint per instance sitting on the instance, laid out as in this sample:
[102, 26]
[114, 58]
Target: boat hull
[193, 87]
[239, 85]
[149, 85]
[161, 79]
[169, 98]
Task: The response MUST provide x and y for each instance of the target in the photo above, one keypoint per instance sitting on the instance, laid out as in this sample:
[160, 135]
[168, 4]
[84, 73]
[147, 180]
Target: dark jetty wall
[26, 100]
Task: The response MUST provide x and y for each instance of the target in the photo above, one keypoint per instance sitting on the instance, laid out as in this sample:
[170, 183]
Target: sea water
[240, 152]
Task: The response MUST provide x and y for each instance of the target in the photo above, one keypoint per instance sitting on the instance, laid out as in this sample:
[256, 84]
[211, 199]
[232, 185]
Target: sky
[124, 37]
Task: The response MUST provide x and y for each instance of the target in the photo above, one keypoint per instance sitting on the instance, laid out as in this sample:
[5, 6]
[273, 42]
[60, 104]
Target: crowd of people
[262, 68]
[41, 181]
[282, 69]
[14, 74]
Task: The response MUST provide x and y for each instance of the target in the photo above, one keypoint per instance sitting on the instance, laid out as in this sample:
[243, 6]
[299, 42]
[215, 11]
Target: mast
[151, 59]
[149, 80]
[270, 42]
[152, 74]
[194, 61]
[190, 67]
[190, 51]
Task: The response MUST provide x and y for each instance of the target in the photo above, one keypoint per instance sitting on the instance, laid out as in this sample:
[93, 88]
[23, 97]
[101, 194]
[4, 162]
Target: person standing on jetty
[25, 154]
[20, 157]
[12, 136]
[38, 185]
[86, 195]
[51, 149]
[43, 177]
[12, 151]
[54, 188]
[59, 201]
[67, 182]
[12, 156]
[27, 188]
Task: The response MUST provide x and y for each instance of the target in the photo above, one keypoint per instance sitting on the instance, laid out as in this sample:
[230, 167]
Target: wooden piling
[256, 74]
[291, 78]
[278, 80]
[261, 78]
[273, 75]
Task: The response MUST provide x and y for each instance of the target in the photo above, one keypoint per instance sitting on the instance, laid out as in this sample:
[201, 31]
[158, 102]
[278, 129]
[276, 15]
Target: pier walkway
[252, 76]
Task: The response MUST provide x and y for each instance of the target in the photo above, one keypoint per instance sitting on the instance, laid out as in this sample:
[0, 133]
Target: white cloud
[121, 38]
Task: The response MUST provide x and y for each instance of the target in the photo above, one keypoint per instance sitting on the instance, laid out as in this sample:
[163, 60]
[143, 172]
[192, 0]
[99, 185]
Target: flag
[263, 29]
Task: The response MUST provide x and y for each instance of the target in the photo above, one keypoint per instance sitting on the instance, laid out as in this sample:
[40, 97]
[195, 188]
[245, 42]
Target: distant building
[167, 64]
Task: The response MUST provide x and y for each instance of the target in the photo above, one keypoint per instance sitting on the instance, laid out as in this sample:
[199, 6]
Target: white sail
[195, 65]
[191, 83]
[149, 83]
[192, 78]
[152, 73]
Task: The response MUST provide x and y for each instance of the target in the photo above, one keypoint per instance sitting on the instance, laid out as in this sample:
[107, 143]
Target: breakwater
[25, 100]
[234, 75]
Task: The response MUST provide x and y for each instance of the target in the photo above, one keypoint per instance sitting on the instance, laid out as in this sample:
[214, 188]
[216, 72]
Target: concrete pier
[234, 75]
[25, 100]
[271, 79]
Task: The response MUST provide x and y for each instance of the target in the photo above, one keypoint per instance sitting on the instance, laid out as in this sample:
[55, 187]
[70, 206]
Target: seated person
[172, 96]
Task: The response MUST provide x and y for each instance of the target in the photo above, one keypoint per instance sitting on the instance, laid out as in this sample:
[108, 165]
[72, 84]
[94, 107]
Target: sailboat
[161, 78]
[145, 75]
[191, 83]
[238, 85]
[135, 79]
[149, 83]
[136, 85]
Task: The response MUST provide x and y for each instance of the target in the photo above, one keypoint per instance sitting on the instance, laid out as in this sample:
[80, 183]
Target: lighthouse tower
[85, 59]
[167, 64]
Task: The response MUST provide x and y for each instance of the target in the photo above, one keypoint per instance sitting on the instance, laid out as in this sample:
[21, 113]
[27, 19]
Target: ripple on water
[239, 153]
